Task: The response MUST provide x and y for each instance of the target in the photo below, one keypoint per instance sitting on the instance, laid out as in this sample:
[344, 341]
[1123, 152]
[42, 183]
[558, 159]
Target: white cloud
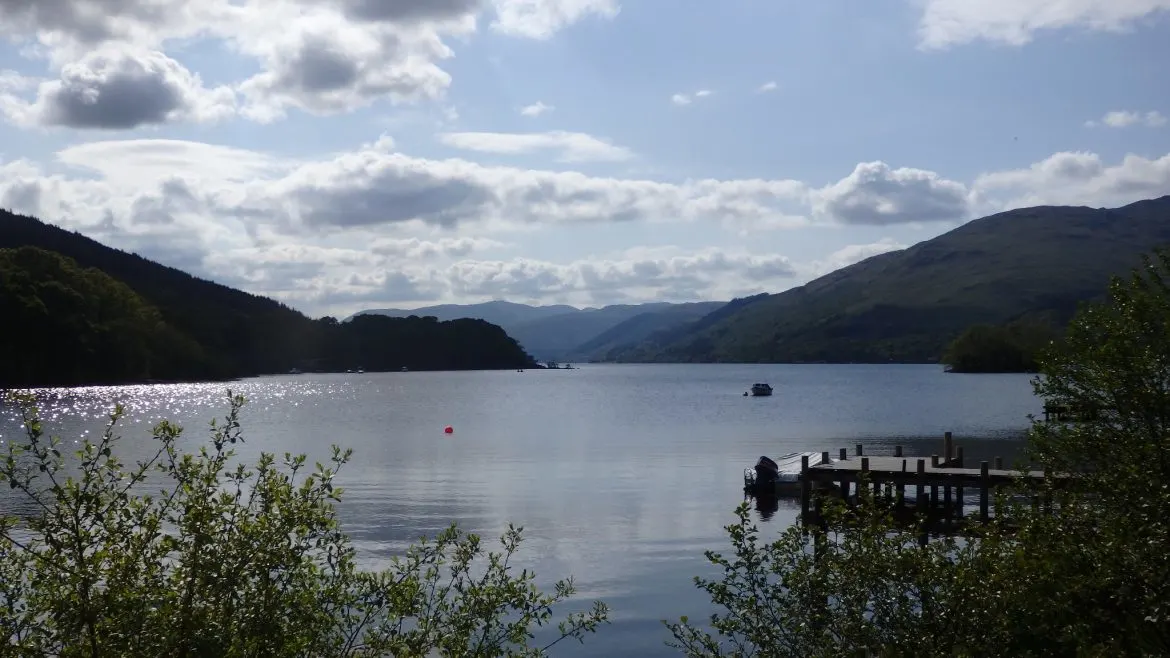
[135, 161]
[12, 81]
[1126, 118]
[376, 186]
[536, 109]
[322, 63]
[119, 88]
[876, 194]
[569, 146]
[68, 29]
[766, 87]
[540, 19]
[669, 275]
[324, 57]
[416, 249]
[376, 225]
[687, 99]
[947, 23]
[1077, 178]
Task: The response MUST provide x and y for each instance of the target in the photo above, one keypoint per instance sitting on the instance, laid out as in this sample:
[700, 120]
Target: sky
[340, 155]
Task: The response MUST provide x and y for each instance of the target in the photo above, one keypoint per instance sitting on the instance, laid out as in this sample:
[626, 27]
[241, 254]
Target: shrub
[228, 559]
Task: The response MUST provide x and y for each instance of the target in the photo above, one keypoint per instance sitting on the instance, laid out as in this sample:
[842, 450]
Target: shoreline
[235, 378]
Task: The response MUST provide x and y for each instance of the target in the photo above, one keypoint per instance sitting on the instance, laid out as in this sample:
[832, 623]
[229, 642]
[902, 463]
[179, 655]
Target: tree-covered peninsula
[986, 348]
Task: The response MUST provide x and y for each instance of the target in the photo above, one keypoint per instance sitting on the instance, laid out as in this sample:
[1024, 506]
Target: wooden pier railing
[939, 484]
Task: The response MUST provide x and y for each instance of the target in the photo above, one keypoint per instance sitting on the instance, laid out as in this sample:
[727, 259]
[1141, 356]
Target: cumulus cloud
[324, 64]
[947, 23]
[73, 23]
[320, 57]
[375, 224]
[540, 19]
[876, 194]
[1078, 178]
[568, 146]
[119, 88]
[536, 109]
[1126, 118]
[416, 249]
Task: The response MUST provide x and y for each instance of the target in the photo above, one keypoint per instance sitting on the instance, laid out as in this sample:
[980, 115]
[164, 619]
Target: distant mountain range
[567, 333]
[1027, 265]
[1031, 265]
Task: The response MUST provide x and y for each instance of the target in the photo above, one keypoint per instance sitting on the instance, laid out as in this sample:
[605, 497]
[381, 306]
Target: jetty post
[805, 487]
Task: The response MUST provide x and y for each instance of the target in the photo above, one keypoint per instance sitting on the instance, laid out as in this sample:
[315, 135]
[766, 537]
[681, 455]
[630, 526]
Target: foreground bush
[238, 560]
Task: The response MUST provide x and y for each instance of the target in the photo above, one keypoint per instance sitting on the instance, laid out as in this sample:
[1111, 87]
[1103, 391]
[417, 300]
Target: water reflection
[766, 506]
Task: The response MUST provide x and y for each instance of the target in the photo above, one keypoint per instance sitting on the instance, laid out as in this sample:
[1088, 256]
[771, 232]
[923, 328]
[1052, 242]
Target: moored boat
[761, 390]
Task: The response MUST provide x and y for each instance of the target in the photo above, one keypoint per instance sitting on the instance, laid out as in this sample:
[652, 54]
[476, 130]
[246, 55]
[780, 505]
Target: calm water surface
[622, 475]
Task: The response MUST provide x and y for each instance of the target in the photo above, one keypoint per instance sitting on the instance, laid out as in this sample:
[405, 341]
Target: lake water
[622, 475]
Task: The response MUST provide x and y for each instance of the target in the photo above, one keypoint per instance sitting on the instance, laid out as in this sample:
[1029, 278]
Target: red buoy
[448, 430]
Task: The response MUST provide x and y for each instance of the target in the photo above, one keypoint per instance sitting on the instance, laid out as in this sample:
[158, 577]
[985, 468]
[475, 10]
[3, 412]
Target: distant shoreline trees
[1013, 347]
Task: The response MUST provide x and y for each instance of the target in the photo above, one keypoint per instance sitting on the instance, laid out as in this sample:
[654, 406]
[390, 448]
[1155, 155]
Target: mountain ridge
[906, 305]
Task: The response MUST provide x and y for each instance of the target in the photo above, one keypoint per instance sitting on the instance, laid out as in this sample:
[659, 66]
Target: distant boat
[760, 390]
[294, 371]
[403, 369]
[361, 370]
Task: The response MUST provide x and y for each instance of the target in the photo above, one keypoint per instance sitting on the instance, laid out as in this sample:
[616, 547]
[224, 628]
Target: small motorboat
[766, 469]
[766, 480]
[761, 390]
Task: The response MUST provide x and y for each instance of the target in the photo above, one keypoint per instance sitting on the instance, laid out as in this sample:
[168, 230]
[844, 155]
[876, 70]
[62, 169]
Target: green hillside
[242, 333]
[65, 325]
[89, 314]
[906, 306]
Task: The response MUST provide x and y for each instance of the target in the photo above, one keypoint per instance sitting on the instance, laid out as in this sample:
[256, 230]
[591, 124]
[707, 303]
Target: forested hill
[189, 328]
[1025, 265]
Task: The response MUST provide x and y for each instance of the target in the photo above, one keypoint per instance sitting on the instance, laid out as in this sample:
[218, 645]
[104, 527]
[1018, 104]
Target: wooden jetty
[939, 485]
